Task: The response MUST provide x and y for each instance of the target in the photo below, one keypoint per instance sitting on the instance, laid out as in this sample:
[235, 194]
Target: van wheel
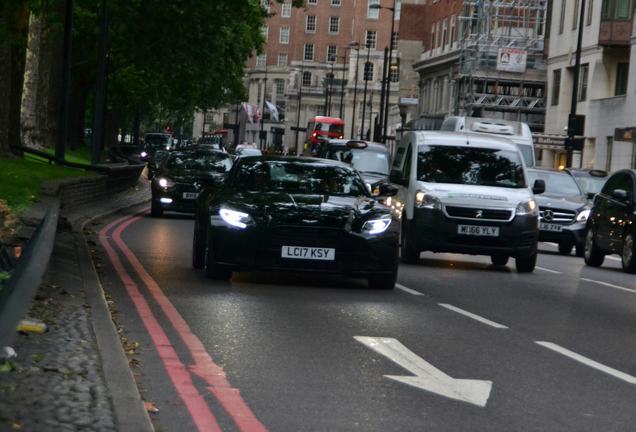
[627, 257]
[499, 260]
[593, 255]
[408, 253]
[526, 264]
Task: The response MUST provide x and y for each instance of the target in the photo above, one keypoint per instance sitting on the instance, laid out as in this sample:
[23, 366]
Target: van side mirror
[538, 187]
[620, 195]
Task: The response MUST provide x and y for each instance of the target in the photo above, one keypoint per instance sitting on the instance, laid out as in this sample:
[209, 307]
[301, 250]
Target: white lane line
[618, 287]
[588, 362]
[613, 258]
[408, 290]
[548, 270]
[473, 316]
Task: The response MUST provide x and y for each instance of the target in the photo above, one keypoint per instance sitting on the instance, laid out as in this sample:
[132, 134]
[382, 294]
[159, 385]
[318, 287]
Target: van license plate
[551, 227]
[476, 230]
[308, 253]
[190, 195]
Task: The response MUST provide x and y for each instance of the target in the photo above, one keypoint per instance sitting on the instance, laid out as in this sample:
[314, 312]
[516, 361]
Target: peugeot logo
[547, 215]
[479, 214]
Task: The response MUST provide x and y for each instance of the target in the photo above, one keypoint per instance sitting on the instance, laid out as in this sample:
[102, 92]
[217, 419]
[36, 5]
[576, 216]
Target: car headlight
[424, 200]
[165, 182]
[234, 218]
[376, 226]
[527, 207]
[583, 215]
[144, 154]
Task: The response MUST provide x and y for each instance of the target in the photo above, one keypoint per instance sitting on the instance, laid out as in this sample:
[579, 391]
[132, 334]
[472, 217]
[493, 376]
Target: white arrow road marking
[428, 377]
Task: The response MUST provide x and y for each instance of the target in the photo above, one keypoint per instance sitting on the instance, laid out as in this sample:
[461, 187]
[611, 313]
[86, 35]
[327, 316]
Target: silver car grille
[558, 216]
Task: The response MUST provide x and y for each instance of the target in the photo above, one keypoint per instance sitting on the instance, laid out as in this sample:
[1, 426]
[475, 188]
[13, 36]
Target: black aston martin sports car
[183, 175]
[297, 215]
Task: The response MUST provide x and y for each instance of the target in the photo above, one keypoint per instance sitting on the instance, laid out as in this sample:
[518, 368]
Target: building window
[280, 87]
[398, 9]
[608, 153]
[306, 78]
[282, 59]
[452, 30]
[261, 60]
[373, 13]
[284, 35]
[606, 9]
[394, 72]
[370, 39]
[286, 10]
[368, 71]
[310, 24]
[265, 32]
[332, 53]
[336, 2]
[439, 34]
[562, 19]
[624, 9]
[334, 24]
[585, 69]
[556, 86]
[444, 34]
[432, 37]
[622, 70]
[312, 2]
[265, 5]
[394, 40]
[575, 16]
[590, 11]
[309, 52]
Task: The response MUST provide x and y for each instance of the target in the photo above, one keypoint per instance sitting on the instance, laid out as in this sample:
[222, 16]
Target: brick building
[304, 47]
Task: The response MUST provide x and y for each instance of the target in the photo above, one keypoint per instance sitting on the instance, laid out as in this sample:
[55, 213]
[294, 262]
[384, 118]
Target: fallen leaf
[151, 408]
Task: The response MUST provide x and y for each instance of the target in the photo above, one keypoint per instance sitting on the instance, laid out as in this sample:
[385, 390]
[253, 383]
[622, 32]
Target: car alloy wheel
[627, 257]
[592, 255]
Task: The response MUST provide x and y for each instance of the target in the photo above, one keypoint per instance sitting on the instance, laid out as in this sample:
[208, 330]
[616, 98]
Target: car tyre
[408, 253]
[565, 248]
[499, 260]
[212, 269]
[580, 250]
[198, 247]
[592, 255]
[155, 209]
[627, 257]
[526, 264]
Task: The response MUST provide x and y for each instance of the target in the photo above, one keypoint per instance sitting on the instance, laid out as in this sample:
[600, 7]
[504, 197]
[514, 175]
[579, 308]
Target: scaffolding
[489, 29]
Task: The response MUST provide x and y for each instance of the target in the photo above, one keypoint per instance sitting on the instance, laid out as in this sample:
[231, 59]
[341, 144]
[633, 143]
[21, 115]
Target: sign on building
[512, 60]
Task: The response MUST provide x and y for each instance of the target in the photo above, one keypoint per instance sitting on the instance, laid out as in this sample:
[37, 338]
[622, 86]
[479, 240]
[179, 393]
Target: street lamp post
[300, 96]
[331, 77]
[342, 86]
[367, 68]
[262, 134]
[355, 46]
[388, 81]
[572, 118]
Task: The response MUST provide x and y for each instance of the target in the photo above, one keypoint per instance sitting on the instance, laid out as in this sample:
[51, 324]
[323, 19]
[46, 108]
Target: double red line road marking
[180, 374]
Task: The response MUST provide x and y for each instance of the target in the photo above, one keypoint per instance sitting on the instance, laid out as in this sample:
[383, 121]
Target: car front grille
[307, 236]
[558, 216]
[475, 213]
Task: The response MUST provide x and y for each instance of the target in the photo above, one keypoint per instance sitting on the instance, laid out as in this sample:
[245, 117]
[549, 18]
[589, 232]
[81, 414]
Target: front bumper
[260, 248]
[433, 231]
[572, 234]
[178, 201]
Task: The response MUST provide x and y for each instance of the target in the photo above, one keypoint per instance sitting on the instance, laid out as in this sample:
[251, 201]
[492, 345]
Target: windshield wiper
[374, 172]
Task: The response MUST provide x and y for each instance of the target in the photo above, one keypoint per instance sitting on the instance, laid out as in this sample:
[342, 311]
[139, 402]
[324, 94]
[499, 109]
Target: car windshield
[470, 166]
[590, 184]
[555, 182]
[297, 177]
[157, 140]
[198, 161]
[362, 160]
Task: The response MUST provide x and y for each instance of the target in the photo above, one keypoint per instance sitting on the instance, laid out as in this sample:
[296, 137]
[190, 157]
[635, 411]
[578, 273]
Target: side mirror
[620, 195]
[538, 187]
[387, 190]
[590, 195]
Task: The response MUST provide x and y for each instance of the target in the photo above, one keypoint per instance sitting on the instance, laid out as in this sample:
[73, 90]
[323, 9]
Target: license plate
[544, 226]
[190, 195]
[308, 253]
[476, 230]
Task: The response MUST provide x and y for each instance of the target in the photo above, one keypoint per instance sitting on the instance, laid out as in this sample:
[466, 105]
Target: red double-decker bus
[321, 127]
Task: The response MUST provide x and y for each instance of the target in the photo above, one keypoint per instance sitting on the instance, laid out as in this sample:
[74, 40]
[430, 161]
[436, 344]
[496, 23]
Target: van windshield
[470, 166]
[527, 152]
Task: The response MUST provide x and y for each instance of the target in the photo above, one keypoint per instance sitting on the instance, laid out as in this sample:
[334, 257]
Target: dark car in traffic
[612, 224]
[590, 181]
[370, 159]
[297, 215]
[183, 176]
[563, 210]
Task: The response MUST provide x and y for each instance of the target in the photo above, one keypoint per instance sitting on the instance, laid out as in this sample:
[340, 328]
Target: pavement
[75, 376]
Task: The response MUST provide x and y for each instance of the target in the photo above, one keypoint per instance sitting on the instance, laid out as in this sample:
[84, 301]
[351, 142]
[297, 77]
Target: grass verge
[20, 179]
[81, 155]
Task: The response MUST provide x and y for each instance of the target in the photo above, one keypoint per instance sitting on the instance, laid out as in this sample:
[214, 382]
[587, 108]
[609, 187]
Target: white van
[517, 132]
[465, 193]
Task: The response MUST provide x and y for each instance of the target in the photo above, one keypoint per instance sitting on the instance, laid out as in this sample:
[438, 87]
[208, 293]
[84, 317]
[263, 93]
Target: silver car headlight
[428, 201]
[527, 208]
[377, 226]
[234, 218]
